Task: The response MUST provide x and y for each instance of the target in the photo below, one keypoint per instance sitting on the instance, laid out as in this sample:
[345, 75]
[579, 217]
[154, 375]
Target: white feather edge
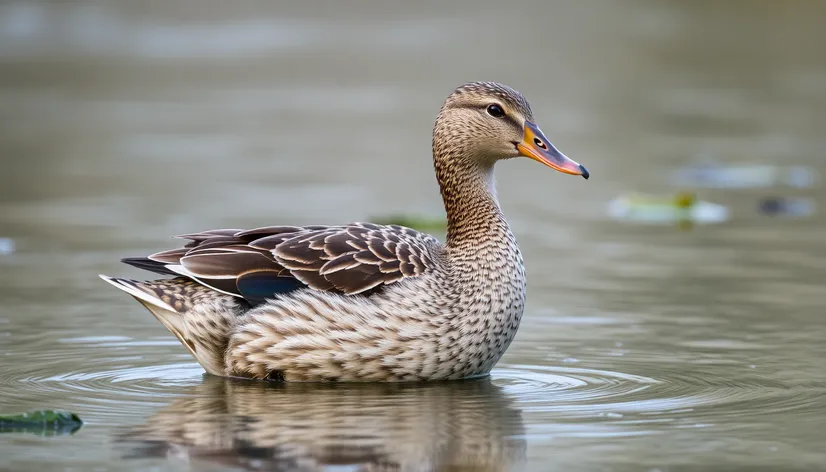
[137, 293]
[179, 269]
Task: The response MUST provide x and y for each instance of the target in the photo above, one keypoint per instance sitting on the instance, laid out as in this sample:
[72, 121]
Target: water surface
[642, 347]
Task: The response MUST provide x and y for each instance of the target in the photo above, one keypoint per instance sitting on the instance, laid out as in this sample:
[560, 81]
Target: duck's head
[483, 122]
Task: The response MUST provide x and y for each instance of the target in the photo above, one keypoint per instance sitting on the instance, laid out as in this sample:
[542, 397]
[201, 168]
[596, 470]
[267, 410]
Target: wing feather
[263, 262]
[344, 262]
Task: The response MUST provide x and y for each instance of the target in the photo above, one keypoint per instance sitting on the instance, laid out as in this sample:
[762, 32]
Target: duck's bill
[536, 146]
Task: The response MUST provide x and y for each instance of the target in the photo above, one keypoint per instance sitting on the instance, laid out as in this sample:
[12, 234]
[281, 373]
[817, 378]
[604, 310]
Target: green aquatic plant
[683, 208]
[41, 423]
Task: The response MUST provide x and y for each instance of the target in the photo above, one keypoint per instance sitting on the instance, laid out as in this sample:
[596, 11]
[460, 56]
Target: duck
[363, 302]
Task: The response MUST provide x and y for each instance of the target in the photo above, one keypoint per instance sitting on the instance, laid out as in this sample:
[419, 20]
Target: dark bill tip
[585, 173]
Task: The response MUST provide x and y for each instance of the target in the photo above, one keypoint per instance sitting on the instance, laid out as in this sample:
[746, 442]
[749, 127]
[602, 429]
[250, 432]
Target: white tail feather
[172, 320]
[131, 289]
[168, 316]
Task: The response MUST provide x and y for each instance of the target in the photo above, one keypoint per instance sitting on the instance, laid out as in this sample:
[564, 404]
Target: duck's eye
[496, 111]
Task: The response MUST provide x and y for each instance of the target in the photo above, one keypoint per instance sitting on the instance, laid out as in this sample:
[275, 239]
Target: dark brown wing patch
[357, 257]
[348, 259]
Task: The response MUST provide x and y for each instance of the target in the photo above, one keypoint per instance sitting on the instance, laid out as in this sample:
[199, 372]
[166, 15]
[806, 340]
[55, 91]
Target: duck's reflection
[469, 425]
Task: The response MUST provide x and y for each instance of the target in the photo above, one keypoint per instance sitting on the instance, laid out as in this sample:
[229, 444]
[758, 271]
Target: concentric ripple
[535, 385]
[97, 374]
[698, 398]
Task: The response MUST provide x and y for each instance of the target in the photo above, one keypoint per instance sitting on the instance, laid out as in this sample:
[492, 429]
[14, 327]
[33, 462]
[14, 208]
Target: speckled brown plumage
[368, 302]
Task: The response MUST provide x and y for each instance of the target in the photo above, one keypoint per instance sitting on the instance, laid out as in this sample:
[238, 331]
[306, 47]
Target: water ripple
[124, 369]
[699, 398]
[97, 372]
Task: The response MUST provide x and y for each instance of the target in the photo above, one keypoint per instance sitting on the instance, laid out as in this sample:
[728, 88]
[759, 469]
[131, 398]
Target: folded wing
[261, 263]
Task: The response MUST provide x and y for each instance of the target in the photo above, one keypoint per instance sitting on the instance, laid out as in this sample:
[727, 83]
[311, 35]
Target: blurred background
[675, 309]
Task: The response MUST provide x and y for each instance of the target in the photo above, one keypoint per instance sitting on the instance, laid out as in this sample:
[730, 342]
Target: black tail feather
[148, 264]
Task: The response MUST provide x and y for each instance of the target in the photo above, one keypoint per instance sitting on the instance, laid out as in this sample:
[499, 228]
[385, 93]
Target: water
[643, 348]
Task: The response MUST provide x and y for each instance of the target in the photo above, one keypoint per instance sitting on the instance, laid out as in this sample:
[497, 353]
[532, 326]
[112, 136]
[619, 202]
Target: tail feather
[133, 287]
[146, 264]
[165, 313]
[186, 309]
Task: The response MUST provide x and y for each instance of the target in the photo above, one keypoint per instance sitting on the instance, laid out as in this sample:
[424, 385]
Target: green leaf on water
[42, 423]
[421, 223]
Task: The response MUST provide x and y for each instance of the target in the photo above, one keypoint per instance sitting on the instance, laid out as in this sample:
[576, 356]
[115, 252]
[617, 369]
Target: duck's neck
[473, 213]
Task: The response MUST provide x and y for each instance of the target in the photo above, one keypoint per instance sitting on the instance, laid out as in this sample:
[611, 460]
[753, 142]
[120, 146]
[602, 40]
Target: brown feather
[344, 262]
[217, 242]
[355, 280]
[271, 242]
[255, 233]
[367, 257]
[226, 264]
[347, 259]
[389, 267]
[209, 234]
[171, 256]
[378, 248]
[313, 280]
[338, 244]
[408, 270]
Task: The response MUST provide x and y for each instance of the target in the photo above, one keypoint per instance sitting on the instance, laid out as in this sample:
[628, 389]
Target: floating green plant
[41, 423]
[654, 209]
